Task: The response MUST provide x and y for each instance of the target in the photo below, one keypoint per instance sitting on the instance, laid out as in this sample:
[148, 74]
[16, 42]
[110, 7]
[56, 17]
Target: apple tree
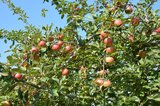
[106, 55]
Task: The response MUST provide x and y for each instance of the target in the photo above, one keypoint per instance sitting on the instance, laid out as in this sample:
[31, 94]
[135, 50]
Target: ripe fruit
[65, 71]
[157, 30]
[129, 10]
[142, 54]
[131, 38]
[108, 41]
[107, 83]
[60, 43]
[109, 59]
[68, 48]
[34, 50]
[99, 81]
[5, 103]
[118, 22]
[102, 72]
[50, 39]
[103, 35]
[42, 44]
[110, 49]
[55, 47]
[60, 36]
[18, 76]
[135, 21]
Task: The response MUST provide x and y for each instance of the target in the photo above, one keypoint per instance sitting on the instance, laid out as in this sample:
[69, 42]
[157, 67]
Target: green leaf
[134, 98]
[155, 97]
[55, 92]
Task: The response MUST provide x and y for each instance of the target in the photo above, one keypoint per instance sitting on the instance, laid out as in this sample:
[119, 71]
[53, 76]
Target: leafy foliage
[133, 76]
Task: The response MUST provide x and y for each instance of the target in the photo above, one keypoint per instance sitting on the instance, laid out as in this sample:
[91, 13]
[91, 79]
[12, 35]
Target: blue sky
[33, 10]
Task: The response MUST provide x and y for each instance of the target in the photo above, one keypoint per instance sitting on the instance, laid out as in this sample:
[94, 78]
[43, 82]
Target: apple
[60, 36]
[34, 50]
[50, 39]
[142, 54]
[108, 41]
[107, 83]
[60, 43]
[118, 22]
[18, 76]
[110, 49]
[103, 35]
[99, 81]
[109, 59]
[42, 44]
[157, 30]
[65, 72]
[68, 48]
[55, 47]
[135, 21]
[128, 10]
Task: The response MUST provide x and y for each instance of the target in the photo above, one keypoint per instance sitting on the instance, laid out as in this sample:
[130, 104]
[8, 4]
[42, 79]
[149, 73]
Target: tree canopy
[114, 62]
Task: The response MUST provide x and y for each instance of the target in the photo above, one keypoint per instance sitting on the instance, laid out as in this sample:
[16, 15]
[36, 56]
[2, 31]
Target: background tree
[115, 63]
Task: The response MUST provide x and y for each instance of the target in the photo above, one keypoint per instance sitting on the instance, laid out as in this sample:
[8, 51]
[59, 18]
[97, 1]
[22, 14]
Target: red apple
[103, 35]
[128, 10]
[135, 21]
[60, 43]
[60, 36]
[118, 22]
[50, 39]
[107, 83]
[34, 50]
[157, 30]
[110, 49]
[68, 48]
[55, 47]
[142, 54]
[99, 81]
[65, 72]
[18, 76]
[108, 41]
[109, 59]
[42, 44]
